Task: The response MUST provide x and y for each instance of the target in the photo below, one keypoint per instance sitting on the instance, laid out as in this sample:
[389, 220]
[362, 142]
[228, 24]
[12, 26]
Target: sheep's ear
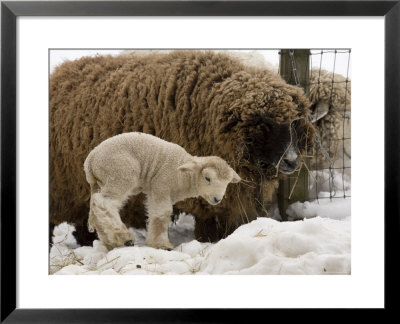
[321, 111]
[235, 178]
[189, 166]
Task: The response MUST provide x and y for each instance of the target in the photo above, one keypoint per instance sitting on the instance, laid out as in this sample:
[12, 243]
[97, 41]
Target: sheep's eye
[207, 179]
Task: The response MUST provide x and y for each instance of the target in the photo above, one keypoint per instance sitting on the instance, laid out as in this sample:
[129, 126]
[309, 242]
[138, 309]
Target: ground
[317, 240]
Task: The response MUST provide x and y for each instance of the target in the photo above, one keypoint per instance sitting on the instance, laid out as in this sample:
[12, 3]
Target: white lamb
[131, 163]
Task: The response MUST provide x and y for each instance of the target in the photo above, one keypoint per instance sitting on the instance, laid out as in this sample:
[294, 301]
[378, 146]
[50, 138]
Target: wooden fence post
[294, 69]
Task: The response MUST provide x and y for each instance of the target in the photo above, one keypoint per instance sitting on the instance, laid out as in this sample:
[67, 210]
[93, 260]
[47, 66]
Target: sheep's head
[213, 176]
[270, 146]
[259, 110]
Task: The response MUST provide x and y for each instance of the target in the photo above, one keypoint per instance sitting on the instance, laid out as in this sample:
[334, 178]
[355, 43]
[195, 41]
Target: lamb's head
[213, 175]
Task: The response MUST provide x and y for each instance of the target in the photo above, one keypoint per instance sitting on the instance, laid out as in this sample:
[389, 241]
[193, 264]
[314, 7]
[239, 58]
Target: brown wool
[209, 103]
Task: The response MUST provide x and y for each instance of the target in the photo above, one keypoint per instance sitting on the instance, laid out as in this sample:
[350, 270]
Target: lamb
[208, 103]
[131, 163]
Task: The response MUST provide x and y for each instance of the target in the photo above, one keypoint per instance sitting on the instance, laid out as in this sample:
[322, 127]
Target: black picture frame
[11, 10]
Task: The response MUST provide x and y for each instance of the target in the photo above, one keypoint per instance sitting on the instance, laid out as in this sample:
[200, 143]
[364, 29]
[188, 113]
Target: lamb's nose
[216, 200]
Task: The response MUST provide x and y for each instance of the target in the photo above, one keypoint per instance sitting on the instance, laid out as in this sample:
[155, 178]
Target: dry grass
[303, 163]
[260, 234]
[108, 262]
[62, 260]
[263, 207]
[287, 148]
[242, 207]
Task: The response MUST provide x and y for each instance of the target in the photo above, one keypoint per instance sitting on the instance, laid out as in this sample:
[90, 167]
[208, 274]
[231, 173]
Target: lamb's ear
[235, 178]
[189, 166]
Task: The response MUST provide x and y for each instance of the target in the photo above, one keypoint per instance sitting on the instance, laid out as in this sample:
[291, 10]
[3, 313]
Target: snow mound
[338, 209]
[320, 245]
[265, 246]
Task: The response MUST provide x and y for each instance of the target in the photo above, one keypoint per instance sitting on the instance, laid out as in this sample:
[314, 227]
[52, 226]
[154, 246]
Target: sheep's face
[271, 145]
[213, 177]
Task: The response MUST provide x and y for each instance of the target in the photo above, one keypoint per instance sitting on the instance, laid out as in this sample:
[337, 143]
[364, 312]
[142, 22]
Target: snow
[266, 58]
[317, 240]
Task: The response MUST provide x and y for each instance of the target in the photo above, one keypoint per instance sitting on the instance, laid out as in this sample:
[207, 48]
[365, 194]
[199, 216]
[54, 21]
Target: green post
[294, 69]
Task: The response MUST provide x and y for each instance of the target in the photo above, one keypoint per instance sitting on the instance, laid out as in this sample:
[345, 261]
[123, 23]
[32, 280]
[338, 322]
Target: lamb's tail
[87, 166]
[94, 188]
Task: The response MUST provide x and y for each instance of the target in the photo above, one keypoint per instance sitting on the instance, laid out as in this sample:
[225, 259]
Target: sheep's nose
[291, 163]
[216, 200]
[291, 156]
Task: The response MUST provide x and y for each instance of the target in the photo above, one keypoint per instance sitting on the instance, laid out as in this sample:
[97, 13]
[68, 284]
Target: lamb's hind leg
[106, 220]
[106, 203]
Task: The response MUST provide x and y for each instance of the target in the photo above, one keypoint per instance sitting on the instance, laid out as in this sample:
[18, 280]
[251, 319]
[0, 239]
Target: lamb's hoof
[129, 243]
[167, 246]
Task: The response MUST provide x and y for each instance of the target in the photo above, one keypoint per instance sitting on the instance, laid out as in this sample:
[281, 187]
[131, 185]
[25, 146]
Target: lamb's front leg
[159, 213]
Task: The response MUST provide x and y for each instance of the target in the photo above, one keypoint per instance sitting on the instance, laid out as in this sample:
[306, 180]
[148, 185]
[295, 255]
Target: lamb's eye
[207, 179]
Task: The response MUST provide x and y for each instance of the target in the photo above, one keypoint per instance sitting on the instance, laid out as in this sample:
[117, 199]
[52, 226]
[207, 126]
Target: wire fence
[329, 164]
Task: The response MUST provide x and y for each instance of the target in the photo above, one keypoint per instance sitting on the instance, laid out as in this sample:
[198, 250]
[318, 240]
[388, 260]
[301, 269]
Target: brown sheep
[330, 96]
[209, 103]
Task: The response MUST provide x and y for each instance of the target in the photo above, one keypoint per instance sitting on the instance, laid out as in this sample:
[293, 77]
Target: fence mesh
[329, 165]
